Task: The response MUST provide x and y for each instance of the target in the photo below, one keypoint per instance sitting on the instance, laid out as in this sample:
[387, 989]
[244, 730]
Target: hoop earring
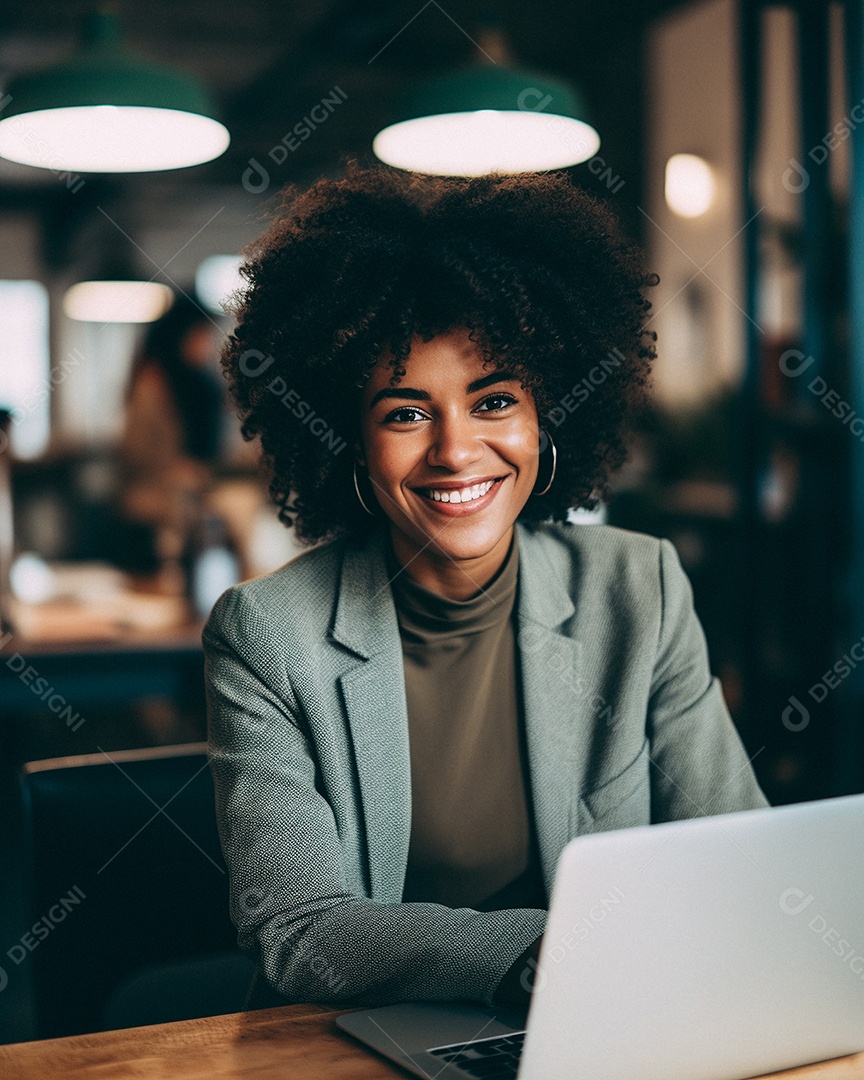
[554, 465]
[359, 496]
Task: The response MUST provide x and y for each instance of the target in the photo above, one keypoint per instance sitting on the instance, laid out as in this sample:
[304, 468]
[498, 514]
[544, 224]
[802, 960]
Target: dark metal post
[850, 758]
[814, 111]
[820, 519]
[749, 418]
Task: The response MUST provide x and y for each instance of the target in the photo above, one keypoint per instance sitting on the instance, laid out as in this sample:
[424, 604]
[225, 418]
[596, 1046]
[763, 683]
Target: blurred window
[216, 279]
[26, 378]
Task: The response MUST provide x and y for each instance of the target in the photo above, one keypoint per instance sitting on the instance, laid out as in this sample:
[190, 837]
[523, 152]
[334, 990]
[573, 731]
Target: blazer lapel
[373, 693]
[552, 669]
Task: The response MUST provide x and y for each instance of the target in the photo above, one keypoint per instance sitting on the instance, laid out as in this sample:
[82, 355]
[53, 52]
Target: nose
[455, 444]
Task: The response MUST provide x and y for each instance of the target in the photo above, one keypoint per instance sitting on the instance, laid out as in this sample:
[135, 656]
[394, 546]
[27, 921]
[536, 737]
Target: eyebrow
[409, 393]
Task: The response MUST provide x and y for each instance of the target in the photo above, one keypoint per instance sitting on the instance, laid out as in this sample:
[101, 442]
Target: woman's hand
[517, 983]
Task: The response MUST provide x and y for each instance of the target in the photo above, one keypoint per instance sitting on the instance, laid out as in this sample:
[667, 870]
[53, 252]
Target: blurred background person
[172, 434]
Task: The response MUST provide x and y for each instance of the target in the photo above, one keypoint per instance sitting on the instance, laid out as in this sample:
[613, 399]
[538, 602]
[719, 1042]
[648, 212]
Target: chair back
[125, 874]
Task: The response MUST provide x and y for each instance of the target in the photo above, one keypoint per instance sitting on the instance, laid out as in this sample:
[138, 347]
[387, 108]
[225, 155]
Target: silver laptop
[713, 949]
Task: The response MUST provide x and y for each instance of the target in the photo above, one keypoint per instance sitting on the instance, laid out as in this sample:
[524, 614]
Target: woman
[171, 438]
[408, 723]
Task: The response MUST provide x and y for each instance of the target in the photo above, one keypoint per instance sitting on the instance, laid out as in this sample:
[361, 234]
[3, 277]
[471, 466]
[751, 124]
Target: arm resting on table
[314, 938]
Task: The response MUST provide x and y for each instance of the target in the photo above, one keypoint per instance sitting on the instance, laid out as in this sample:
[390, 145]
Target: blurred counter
[105, 653]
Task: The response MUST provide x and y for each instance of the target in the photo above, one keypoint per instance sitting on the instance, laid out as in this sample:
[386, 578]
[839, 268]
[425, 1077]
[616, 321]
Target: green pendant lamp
[106, 110]
[489, 117]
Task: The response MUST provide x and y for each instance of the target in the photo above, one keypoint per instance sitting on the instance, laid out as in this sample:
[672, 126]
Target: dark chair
[128, 893]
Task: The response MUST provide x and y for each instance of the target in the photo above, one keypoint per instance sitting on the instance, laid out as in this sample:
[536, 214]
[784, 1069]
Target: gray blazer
[309, 750]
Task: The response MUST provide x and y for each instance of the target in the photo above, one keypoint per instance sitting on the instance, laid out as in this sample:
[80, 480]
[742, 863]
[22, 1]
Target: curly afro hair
[359, 265]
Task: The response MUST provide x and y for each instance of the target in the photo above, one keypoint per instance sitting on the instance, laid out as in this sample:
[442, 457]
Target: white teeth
[468, 494]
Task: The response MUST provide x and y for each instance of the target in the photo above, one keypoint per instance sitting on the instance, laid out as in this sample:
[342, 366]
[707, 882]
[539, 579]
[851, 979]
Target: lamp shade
[488, 118]
[105, 110]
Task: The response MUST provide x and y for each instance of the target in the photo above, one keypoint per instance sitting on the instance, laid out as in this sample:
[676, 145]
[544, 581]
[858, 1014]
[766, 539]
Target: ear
[358, 453]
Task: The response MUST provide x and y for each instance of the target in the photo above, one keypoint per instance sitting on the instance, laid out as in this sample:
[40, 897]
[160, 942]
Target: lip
[454, 485]
[461, 509]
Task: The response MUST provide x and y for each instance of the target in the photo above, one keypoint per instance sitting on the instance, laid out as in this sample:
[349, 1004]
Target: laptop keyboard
[487, 1059]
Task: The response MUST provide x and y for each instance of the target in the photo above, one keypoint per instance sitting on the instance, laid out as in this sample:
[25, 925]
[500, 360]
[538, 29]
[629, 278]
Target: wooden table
[300, 1042]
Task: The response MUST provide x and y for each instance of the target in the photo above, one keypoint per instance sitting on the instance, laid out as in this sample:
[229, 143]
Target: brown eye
[404, 415]
[503, 399]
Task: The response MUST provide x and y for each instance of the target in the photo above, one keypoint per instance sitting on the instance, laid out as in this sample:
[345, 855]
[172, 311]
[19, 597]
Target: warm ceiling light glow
[487, 117]
[690, 185]
[111, 138]
[486, 140]
[117, 301]
[104, 109]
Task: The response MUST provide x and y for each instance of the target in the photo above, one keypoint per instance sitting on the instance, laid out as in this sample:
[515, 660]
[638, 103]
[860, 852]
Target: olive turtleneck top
[472, 837]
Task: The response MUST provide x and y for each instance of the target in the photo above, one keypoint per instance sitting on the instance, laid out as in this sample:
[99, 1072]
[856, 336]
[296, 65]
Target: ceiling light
[488, 118]
[117, 301]
[106, 110]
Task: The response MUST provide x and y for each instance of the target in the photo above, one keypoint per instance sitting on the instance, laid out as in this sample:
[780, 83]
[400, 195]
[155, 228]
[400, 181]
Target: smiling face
[452, 458]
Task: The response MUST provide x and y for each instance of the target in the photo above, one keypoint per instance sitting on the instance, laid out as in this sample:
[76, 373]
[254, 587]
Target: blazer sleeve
[699, 765]
[316, 939]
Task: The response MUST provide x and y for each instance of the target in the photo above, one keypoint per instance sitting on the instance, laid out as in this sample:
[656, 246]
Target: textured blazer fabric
[624, 725]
